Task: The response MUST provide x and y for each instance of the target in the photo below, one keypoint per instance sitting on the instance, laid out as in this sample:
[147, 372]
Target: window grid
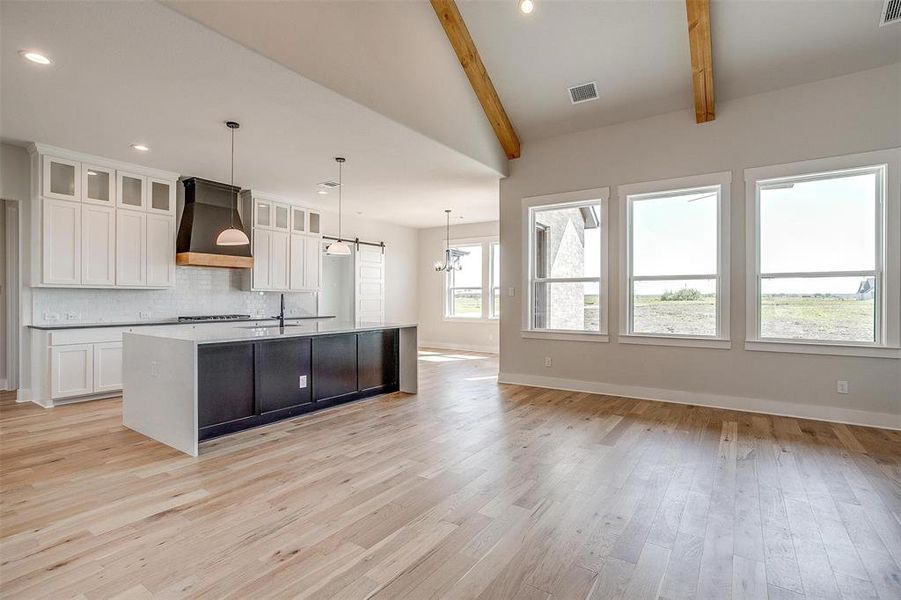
[631, 279]
[879, 249]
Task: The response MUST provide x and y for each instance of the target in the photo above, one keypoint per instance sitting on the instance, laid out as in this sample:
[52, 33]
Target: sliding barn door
[370, 284]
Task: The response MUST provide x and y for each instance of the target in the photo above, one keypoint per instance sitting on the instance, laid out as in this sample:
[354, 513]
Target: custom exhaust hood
[210, 208]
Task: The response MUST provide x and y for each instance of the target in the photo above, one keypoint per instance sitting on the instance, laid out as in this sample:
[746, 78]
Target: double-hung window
[675, 287]
[823, 254]
[464, 286]
[566, 271]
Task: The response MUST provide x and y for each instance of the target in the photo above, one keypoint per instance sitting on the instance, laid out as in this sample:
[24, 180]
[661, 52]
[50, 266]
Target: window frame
[636, 192]
[494, 281]
[485, 243]
[575, 199]
[887, 253]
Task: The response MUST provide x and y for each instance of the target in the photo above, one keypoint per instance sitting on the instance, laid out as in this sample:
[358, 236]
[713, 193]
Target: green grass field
[782, 316]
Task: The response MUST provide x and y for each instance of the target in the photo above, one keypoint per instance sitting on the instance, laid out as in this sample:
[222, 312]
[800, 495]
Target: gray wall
[434, 330]
[855, 113]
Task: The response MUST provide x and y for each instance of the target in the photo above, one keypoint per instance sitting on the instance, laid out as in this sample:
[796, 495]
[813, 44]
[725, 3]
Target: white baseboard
[464, 347]
[832, 414]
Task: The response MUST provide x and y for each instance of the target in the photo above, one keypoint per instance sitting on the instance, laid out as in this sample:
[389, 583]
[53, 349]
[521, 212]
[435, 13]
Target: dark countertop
[59, 326]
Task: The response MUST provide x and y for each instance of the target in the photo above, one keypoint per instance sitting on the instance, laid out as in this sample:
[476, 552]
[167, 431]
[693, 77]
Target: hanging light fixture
[232, 236]
[451, 257]
[338, 247]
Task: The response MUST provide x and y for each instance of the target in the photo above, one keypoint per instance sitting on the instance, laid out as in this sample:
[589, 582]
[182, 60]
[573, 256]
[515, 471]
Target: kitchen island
[182, 387]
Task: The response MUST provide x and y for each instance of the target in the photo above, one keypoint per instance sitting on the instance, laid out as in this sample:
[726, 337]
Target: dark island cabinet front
[246, 384]
[283, 374]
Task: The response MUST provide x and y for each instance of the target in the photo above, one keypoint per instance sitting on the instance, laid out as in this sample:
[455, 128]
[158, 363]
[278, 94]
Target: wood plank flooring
[469, 489]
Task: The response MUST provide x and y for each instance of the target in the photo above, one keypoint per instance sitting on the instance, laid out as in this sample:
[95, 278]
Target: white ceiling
[128, 72]
[393, 56]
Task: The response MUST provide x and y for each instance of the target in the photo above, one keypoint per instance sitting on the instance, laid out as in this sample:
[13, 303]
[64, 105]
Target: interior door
[370, 284]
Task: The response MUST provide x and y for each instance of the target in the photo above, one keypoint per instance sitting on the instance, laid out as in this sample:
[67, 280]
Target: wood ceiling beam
[701, 59]
[459, 38]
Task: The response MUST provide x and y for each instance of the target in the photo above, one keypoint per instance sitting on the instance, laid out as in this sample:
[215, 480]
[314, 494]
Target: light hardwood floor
[467, 490]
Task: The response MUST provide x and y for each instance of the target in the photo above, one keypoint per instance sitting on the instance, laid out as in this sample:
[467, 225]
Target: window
[567, 256]
[818, 263]
[495, 294]
[676, 259]
[464, 287]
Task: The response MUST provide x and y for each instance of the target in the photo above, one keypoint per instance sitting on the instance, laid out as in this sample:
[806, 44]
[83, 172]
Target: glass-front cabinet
[131, 191]
[162, 196]
[98, 184]
[62, 178]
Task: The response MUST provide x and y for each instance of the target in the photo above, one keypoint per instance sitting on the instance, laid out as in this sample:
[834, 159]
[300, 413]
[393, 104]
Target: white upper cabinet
[131, 248]
[281, 216]
[98, 184]
[314, 223]
[298, 262]
[298, 220]
[61, 242]
[313, 262]
[160, 250]
[61, 178]
[262, 267]
[161, 196]
[262, 214]
[280, 260]
[131, 191]
[98, 245]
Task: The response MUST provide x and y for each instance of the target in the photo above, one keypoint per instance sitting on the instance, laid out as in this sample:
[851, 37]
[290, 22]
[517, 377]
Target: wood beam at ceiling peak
[461, 41]
[701, 59]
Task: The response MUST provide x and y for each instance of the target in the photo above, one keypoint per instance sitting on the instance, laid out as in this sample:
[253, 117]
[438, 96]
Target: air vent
[891, 12]
[328, 185]
[584, 92]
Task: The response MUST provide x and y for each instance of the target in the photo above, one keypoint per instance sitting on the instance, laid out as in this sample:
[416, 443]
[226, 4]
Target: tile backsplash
[197, 291]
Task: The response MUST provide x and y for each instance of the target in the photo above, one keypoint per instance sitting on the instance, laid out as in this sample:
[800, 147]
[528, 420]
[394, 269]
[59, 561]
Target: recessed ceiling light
[35, 57]
[140, 147]
[322, 192]
[526, 6]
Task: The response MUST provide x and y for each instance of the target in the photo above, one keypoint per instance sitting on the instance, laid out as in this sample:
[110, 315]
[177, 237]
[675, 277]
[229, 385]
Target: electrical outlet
[302, 381]
[547, 361]
[511, 291]
[841, 386]
[154, 369]
[144, 314]
[72, 316]
[51, 316]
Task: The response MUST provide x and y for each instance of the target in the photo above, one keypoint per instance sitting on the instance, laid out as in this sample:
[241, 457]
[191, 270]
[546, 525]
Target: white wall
[401, 267]
[855, 113]
[15, 186]
[434, 330]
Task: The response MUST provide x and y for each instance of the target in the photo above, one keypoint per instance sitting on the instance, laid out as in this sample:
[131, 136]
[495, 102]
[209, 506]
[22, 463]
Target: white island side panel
[159, 389]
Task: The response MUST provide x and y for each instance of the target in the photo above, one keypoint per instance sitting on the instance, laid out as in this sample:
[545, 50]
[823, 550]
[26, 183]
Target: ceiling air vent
[585, 92]
[891, 12]
[329, 185]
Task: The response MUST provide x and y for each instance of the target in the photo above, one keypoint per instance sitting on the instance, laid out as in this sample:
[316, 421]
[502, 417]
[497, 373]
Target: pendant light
[232, 236]
[451, 257]
[338, 247]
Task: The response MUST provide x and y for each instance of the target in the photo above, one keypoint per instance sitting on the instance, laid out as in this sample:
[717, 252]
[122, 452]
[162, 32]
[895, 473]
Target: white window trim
[722, 339]
[601, 195]
[889, 238]
[493, 277]
[485, 242]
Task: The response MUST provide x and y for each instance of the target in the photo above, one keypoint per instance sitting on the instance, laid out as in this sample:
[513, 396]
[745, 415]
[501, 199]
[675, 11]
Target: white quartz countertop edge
[249, 333]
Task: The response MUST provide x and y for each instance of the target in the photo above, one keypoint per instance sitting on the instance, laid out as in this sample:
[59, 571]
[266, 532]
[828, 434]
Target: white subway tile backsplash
[197, 291]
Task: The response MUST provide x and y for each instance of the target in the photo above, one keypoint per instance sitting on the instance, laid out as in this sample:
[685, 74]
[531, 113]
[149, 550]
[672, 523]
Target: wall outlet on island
[302, 382]
[841, 386]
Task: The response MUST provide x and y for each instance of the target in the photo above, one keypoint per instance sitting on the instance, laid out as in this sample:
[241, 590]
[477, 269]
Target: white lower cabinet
[98, 245]
[131, 248]
[108, 367]
[61, 242]
[160, 249]
[71, 370]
